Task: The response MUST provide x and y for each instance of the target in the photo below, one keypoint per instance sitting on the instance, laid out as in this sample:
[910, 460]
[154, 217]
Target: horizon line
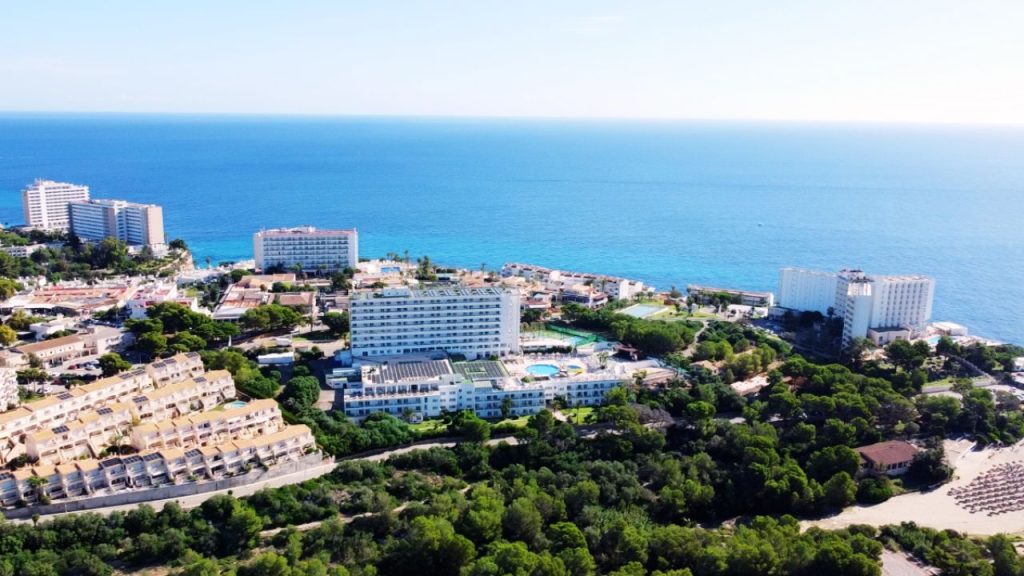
[513, 117]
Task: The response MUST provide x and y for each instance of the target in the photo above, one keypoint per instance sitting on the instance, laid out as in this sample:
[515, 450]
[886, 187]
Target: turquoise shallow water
[671, 203]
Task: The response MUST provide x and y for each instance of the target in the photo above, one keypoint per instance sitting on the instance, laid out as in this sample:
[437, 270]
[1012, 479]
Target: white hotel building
[423, 388]
[476, 322]
[45, 203]
[882, 308]
[134, 224]
[807, 290]
[310, 248]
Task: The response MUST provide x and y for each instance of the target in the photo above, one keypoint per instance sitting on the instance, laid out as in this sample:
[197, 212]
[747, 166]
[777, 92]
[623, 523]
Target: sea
[671, 203]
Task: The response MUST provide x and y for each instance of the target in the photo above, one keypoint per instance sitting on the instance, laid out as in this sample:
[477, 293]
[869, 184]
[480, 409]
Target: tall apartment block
[882, 308]
[476, 322]
[46, 203]
[807, 290]
[310, 248]
[135, 224]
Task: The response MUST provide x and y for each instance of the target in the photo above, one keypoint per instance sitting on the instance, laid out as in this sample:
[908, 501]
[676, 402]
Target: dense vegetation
[650, 337]
[622, 503]
[75, 259]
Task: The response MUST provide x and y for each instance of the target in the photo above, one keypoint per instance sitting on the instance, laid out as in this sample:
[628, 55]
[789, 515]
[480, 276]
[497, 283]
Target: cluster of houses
[166, 423]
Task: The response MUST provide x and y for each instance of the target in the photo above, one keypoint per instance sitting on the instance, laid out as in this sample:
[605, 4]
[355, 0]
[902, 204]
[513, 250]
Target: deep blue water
[671, 203]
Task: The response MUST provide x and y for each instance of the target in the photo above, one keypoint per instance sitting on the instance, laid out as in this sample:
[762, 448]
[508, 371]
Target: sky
[837, 60]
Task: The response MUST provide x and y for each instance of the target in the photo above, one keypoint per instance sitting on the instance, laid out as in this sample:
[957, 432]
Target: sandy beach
[937, 509]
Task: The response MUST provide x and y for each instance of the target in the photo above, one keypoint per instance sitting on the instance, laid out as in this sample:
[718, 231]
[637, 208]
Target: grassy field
[578, 415]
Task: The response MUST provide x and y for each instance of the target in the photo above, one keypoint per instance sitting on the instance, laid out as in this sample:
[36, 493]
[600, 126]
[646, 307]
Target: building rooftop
[304, 231]
[481, 369]
[403, 370]
[888, 453]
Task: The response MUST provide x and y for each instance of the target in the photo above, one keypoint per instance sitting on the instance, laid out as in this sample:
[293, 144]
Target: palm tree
[209, 262]
[38, 484]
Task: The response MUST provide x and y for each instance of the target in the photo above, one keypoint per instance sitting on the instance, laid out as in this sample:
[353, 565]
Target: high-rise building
[307, 247]
[807, 290]
[46, 203]
[883, 308]
[135, 224]
[471, 321]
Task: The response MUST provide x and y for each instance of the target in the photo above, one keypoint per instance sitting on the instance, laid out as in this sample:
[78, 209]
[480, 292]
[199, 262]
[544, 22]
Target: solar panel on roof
[64, 396]
[60, 429]
[193, 452]
[104, 411]
[139, 399]
[6, 475]
[151, 457]
[110, 462]
[131, 459]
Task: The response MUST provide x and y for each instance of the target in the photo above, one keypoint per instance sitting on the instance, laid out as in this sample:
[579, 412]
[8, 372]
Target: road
[249, 489]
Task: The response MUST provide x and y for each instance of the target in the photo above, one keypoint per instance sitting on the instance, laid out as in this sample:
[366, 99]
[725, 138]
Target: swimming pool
[235, 404]
[542, 370]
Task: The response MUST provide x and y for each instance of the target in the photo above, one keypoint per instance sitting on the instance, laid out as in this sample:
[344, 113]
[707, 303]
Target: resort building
[419, 388]
[309, 248]
[807, 290]
[53, 353]
[256, 418]
[167, 466]
[560, 280]
[249, 292]
[707, 295]
[475, 322]
[893, 457]
[67, 406]
[158, 293]
[883, 308]
[70, 299]
[45, 203]
[22, 251]
[8, 389]
[134, 224]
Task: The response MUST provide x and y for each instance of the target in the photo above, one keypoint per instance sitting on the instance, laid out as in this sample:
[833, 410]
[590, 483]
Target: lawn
[428, 427]
[578, 415]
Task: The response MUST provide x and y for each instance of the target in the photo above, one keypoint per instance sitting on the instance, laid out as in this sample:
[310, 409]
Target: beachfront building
[892, 457]
[883, 308]
[45, 203]
[471, 321]
[614, 287]
[134, 224]
[807, 290]
[309, 248]
[708, 295]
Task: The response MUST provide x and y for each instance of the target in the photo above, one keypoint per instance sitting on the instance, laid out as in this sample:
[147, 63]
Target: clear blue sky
[857, 60]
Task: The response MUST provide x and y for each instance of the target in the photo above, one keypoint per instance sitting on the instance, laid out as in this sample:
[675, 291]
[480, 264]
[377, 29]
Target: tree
[9, 288]
[337, 322]
[301, 392]
[7, 335]
[152, 343]
[178, 244]
[522, 521]
[839, 491]
[111, 363]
